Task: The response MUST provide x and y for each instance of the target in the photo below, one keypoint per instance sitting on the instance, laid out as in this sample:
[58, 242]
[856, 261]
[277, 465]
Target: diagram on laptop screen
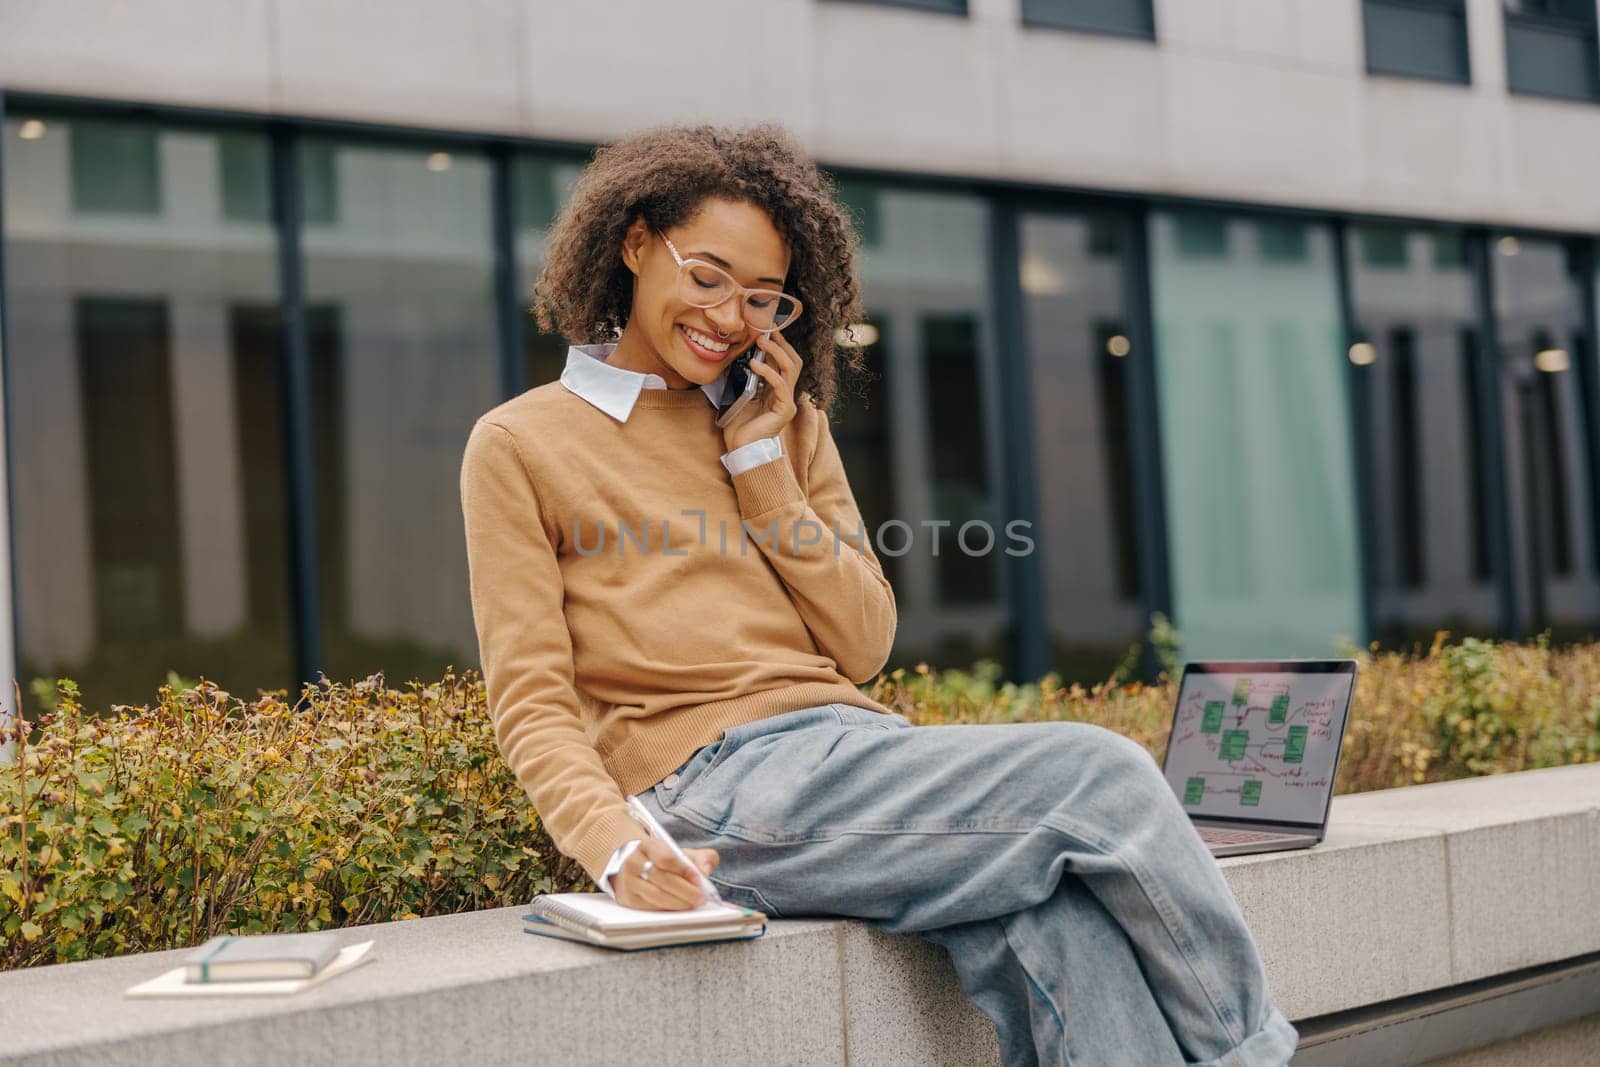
[1257, 746]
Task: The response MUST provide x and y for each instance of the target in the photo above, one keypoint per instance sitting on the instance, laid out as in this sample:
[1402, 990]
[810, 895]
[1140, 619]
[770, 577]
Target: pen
[659, 832]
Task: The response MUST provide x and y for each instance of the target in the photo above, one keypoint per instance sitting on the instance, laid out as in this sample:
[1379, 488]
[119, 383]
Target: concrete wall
[1257, 100]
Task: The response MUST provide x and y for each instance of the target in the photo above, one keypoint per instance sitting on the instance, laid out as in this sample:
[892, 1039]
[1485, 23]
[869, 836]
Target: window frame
[1455, 8]
[956, 8]
[1033, 20]
[1585, 31]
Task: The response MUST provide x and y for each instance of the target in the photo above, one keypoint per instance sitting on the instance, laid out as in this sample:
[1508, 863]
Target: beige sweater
[632, 601]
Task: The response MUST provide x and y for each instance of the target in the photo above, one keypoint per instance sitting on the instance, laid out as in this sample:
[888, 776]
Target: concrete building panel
[1258, 100]
[176, 51]
[445, 65]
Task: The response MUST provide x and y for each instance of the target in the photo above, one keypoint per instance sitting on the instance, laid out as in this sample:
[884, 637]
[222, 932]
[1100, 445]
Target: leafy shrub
[201, 814]
[1450, 711]
[1505, 706]
[157, 827]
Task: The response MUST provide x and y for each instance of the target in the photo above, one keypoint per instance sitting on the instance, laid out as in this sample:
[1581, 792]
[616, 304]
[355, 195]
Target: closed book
[260, 957]
[173, 983]
[595, 919]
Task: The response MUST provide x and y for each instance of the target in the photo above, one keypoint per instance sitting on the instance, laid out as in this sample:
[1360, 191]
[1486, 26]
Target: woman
[682, 611]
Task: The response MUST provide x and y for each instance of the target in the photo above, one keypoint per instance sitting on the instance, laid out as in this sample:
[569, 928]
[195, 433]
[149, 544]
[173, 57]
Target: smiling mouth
[709, 347]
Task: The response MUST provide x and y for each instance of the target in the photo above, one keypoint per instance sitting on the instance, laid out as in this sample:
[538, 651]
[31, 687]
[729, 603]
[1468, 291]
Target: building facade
[1275, 316]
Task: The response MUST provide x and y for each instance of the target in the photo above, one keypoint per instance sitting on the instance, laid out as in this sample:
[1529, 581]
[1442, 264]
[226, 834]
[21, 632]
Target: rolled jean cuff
[1271, 1046]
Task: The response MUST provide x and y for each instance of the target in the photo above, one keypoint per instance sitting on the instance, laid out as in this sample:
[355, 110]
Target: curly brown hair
[585, 291]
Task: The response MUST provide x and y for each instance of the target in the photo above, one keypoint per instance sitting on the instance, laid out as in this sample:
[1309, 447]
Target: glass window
[1406, 458]
[860, 422]
[245, 171]
[1382, 247]
[123, 352]
[245, 174]
[1418, 39]
[1551, 48]
[953, 7]
[537, 198]
[115, 168]
[1078, 358]
[319, 189]
[1570, 10]
[1476, 415]
[1419, 314]
[403, 361]
[1282, 241]
[540, 185]
[924, 448]
[1201, 235]
[1548, 407]
[861, 198]
[1256, 443]
[1125, 18]
[1449, 250]
[953, 367]
[148, 509]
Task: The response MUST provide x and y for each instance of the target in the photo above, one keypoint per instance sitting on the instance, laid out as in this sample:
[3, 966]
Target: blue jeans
[1051, 860]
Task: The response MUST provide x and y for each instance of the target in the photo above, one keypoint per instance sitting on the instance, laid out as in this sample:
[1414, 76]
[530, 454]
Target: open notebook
[596, 919]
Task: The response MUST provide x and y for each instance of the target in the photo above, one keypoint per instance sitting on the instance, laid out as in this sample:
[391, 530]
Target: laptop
[1254, 749]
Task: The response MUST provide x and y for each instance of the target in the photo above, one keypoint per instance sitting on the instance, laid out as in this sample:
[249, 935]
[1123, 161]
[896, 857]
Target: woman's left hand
[771, 409]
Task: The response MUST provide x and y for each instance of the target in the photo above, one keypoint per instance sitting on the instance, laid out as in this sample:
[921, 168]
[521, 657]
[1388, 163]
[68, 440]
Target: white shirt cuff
[618, 858]
[753, 454]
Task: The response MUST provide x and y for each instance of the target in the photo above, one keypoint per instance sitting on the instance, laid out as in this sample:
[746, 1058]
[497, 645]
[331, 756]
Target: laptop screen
[1259, 741]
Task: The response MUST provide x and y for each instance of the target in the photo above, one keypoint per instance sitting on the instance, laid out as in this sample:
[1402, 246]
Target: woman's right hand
[671, 885]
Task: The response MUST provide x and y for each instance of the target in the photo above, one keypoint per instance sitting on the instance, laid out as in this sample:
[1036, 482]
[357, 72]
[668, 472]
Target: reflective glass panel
[147, 479]
[1261, 516]
[1415, 304]
[541, 186]
[1547, 383]
[1551, 48]
[399, 270]
[1417, 38]
[1079, 361]
[925, 280]
[1125, 18]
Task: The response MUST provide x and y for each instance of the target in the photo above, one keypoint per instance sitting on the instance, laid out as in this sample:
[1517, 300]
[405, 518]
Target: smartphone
[741, 385]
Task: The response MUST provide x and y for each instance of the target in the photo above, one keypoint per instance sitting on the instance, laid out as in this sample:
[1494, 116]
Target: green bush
[162, 826]
[157, 827]
[1437, 713]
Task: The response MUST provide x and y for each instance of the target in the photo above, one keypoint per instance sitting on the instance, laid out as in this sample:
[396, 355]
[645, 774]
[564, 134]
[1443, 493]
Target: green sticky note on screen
[1233, 743]
[1294, 748]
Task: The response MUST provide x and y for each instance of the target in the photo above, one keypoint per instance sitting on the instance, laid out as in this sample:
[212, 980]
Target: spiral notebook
[596, 919]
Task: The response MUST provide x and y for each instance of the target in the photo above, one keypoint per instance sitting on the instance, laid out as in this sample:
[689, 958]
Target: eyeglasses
[704, 285]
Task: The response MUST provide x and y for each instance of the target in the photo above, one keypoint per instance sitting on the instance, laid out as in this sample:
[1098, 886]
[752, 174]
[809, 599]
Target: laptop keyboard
[1212, 835]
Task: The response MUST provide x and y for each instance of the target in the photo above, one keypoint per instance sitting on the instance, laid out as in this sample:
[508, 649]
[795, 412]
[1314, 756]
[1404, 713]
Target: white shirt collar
[614, 390]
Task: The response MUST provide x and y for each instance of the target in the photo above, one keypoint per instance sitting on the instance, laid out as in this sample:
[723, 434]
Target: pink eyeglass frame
[739, 291]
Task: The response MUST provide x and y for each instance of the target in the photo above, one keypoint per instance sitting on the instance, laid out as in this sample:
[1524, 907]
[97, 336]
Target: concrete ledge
[1415, 890]
[462, 988]
[1521, 861]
